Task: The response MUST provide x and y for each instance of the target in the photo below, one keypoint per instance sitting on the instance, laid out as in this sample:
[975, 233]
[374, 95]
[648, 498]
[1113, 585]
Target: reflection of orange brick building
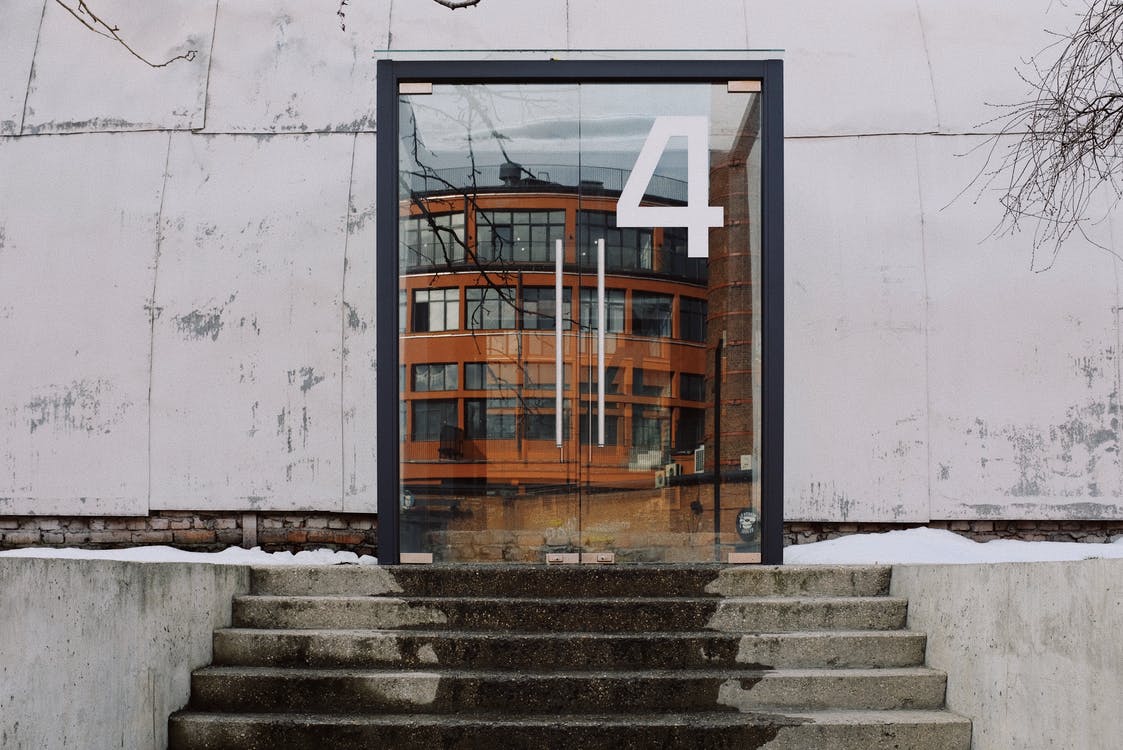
[479, 347]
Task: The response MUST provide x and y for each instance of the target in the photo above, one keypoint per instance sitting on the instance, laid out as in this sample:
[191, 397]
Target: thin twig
[111, 31]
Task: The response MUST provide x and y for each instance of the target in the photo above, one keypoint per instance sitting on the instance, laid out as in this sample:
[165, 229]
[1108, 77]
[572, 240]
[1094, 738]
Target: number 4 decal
[697, 215]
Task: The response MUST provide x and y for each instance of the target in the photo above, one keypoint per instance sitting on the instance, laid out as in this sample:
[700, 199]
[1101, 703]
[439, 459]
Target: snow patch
[936, 546]
[228, 556]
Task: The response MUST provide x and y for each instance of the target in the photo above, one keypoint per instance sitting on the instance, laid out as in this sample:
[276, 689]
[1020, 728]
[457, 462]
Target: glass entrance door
[579, 321]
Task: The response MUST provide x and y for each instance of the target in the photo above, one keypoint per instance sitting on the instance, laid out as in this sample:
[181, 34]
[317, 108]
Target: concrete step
[572, 581]
[551, 651]
[837, 730]
[267, 689]
[633, 614]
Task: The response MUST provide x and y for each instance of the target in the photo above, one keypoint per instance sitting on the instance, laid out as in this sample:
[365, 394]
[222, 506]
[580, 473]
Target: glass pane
[611, 403]
[670, 476]
[483, 476]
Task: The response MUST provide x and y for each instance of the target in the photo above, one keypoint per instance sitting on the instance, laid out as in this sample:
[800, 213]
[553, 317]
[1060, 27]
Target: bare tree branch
[1067, 144]
[94, 23]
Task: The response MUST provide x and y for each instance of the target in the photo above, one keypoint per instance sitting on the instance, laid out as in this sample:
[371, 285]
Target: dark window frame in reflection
[427, 302]
[490, 308]
[692, 314]
[538, 308]
[432, 240]
[652, 314]
[436, 376]
[518, 236]
[429, 415]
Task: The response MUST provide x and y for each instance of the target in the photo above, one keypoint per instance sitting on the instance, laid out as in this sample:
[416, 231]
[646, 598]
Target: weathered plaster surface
[635, 24]
[75, 277]
[492, 24]
[84, 82]
[849, 68]
[289, 66]
[21, 20]
[246, 353]
[973, 51]
[1023, 371]
[227, 279]
[856, 425]
[358, 333]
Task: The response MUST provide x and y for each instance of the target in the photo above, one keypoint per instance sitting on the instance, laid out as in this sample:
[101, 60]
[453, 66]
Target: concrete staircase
[534, 657]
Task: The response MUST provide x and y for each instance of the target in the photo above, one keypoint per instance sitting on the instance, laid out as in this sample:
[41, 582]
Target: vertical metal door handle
[600, 342]
[559, 381]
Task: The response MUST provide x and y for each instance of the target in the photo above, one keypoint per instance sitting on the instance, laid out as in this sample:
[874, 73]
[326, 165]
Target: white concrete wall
[97, 654]
[1032, 650]
[186, 256]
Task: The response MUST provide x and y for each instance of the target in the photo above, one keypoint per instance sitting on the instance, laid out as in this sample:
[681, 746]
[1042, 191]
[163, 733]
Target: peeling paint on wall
[74, 408]
[201, 324]
[307, 376]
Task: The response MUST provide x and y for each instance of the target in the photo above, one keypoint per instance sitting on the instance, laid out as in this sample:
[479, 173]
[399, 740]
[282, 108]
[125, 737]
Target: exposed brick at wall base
[199, 532]
[294, 532]
[981, 531]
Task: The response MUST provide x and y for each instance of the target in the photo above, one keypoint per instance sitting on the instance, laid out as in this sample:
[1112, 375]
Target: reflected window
[543, 376]
[613, 380]
[489, 418]
[625, 248]
[651, 314]
[650, 428]
[436, 377]
[490, 308]
[692, 319]
[611, 426]
[692, 387]
[690, 429]
[613, 309]
[538, 308]
[489, 376]
[436, 310]
[430, 415]
[431, 240]
[540, 420]
[672, 258]
[651, 383]
[518, 236]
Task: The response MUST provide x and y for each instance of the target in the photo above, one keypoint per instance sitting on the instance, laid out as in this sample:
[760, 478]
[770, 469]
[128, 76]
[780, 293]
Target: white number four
[697, 215]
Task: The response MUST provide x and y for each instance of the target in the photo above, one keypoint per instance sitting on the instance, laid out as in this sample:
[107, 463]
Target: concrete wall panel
[83, 81]
[855, 402]
[359, 367]
[492, 24]
[96, 654]
[849, 68]
[1031, 649]
[974, 67]
[75, 282]
[636, 24]
[1024, 374]
[246, 384]
[289, 66]
[21, 22]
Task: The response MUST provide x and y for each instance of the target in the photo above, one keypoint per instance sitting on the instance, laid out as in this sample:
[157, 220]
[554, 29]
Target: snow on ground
[229, 556]
[921, 545]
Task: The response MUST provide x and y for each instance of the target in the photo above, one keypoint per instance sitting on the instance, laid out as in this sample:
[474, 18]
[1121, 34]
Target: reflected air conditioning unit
[660, 479]
[699, 459]
[672, 470]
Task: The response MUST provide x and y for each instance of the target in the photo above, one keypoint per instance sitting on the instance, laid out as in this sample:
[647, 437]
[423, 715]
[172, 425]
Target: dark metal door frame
[770, 72]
